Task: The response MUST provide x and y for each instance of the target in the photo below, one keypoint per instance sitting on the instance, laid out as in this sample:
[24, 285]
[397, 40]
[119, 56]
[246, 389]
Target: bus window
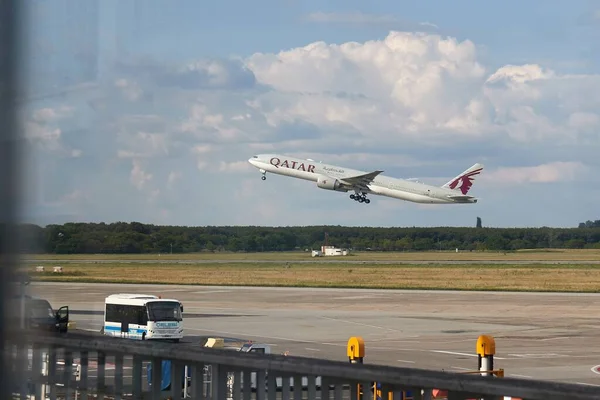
[164, 311]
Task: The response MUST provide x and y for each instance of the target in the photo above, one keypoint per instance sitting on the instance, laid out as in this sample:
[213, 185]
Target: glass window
[128, 314]
[40, 309]
[164, 311]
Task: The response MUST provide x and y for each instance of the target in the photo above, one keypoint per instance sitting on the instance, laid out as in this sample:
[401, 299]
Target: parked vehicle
[143, 316]
[38, 314]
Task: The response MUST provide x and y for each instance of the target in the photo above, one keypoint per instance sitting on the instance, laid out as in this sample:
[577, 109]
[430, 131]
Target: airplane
[331, 177]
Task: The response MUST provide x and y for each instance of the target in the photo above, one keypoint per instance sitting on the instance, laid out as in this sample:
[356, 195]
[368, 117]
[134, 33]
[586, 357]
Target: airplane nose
[251, 161]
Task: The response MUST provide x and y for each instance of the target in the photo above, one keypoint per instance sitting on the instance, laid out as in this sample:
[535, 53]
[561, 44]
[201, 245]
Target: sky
[152, 116]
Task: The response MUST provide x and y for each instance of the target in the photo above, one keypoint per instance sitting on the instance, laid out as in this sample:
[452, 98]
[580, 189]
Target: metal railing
[81, 366]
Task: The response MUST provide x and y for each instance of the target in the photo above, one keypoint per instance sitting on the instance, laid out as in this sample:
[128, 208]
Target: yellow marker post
[486, 348]
[356, 350]
[356, 354]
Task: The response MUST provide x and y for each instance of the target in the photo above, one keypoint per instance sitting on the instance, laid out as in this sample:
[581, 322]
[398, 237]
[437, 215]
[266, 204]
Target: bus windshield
[164, 311]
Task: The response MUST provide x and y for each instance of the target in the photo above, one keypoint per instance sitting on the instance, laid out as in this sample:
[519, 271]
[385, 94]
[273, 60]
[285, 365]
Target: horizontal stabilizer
[461, 197]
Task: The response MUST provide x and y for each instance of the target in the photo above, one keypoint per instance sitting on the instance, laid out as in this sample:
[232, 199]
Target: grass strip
[505, 277]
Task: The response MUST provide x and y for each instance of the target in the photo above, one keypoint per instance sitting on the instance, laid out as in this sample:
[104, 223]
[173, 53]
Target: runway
[550, 336]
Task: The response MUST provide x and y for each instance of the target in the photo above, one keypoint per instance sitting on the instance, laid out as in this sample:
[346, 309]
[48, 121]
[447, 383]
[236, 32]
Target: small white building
[329, 251]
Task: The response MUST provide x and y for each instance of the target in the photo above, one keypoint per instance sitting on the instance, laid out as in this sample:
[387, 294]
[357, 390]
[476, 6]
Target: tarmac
[548, 336]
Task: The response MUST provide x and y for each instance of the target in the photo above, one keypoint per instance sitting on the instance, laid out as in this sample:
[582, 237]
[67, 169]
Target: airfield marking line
[311, 349]
[594, 369]
[458, 353]
[405, 339]
[360, 297]
[406, 361]
[520, 376]
[455, 341]
[393, 349]
[461, 368]
[208, 291]
[556, 338]
[589, 384]
[263, 336]
[300, 340]
[360, 323]
[539, 355]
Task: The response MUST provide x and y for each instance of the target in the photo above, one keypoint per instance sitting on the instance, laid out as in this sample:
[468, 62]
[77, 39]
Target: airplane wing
[360, 181]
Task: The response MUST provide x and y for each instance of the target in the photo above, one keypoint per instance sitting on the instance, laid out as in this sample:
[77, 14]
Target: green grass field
[319, 273]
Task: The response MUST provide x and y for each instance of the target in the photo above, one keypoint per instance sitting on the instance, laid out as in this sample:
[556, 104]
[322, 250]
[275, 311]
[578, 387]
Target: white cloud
[584, 121]
[558, 171]
[412, 104]
[421, 85]
[47, 114]
[519, 74]
[130, 89]
[76, 153]
[360, 18]
[139, 177]
[174, 176]
[235, 167]
[352, 17]
[409, 84]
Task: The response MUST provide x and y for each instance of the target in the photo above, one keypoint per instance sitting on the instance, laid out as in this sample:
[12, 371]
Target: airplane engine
[326, 182]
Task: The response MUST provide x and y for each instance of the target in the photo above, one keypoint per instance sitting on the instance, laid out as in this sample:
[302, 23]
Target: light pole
[24, 281]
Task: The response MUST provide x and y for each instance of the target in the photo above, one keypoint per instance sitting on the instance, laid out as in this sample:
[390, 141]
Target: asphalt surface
[549, 336]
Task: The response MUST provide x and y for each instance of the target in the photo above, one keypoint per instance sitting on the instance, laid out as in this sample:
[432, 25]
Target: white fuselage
[384, 186]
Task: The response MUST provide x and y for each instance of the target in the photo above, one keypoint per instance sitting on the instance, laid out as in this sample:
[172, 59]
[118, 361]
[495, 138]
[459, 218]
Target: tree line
[136, 237]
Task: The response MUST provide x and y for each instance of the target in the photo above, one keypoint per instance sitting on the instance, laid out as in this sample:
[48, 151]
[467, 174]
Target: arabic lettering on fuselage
[331, 169]
[300, 166]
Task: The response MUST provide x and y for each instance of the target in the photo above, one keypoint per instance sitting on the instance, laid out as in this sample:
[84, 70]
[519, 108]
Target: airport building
[329, 251]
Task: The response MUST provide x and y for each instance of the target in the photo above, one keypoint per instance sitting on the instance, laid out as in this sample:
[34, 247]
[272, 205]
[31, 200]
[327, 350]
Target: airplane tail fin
[464, 181]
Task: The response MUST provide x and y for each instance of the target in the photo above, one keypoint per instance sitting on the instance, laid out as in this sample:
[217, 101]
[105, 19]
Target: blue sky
[186, 94]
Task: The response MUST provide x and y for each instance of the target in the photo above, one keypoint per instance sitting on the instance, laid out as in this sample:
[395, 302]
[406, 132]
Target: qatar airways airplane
[331, 177]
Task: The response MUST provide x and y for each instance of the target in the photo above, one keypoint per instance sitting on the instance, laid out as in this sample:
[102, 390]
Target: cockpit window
[254, 156]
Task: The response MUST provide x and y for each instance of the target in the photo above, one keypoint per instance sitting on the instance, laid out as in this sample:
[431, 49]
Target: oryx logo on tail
[464, 181]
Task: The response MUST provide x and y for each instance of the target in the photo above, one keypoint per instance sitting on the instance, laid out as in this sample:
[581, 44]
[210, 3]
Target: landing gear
[263, 178]
[360, 197]
[264, 174]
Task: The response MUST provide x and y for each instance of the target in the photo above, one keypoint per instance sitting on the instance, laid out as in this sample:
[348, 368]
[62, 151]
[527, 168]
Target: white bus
[143, 316]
